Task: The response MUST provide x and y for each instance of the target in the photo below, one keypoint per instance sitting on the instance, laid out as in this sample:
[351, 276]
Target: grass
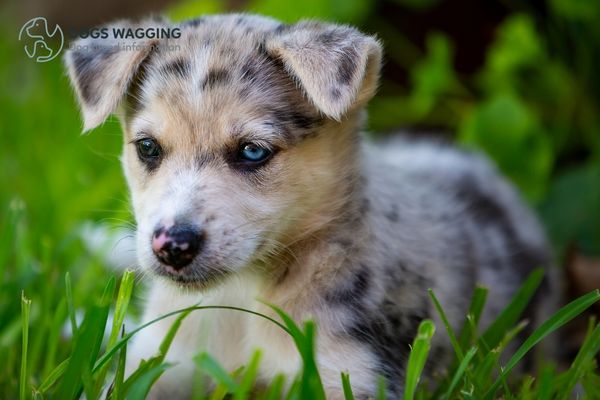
[56, 294]
[85, 369]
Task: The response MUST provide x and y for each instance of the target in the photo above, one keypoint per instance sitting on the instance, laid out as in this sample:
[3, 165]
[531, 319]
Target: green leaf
[510, 132]
[433, 76]
[574, 219]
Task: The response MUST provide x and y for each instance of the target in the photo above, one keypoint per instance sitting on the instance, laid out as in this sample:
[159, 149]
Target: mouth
[191, 277]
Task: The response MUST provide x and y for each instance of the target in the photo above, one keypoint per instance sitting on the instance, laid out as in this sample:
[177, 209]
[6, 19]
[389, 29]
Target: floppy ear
[337, 66]
[101, 69]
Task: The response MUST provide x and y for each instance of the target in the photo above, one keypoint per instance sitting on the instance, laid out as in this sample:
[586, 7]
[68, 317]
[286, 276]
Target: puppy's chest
[232, 336]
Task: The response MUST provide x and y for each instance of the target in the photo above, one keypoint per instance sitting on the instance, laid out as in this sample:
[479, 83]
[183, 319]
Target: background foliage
[518, 82]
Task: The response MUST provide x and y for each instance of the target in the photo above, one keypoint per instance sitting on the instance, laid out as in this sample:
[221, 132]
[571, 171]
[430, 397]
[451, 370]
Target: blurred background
[516, 79]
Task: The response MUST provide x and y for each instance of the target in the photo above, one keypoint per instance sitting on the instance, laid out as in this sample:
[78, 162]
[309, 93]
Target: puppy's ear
[337, 66]
[101, 69]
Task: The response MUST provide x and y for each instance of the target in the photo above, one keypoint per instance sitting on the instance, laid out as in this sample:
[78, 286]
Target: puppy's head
[237, 134]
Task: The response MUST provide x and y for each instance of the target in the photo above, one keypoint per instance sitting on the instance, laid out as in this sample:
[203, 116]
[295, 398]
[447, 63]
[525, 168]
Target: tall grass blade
[109, 354]
[310, 383]
[209, 365]
[24, 377]
[119, 381]
[449, 330]
[418, 357]
[53, 377]
[458, 374]
[348, 395]
[588, 351]
[512, 312]
[123, 297]
[469, 329]
[70, 303]
[560, 318]
[142, 387]
[275, 390]
[149, 368]
[86, 346]
[247, 381]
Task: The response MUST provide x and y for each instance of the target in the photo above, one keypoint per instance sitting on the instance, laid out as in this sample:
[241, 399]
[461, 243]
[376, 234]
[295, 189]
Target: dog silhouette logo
[40, 44]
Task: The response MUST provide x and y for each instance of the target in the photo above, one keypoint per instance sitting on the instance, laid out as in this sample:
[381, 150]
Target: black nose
[177, 246]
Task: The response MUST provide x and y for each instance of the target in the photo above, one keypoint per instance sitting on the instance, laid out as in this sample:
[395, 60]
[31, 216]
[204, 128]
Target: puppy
[250, 180]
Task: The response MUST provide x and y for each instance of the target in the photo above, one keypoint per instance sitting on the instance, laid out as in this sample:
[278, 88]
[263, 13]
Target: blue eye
[253, 153]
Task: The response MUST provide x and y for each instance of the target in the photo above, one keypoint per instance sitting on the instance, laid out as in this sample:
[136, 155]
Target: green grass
[53, 179]
[85, 369]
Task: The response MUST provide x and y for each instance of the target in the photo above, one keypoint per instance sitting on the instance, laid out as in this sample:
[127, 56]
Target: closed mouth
[191, 276]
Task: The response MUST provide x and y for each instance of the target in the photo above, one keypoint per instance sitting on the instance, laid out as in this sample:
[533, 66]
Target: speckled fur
[333, 228]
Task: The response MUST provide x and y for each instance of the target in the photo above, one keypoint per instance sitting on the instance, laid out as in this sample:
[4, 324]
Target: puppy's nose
[177, 245]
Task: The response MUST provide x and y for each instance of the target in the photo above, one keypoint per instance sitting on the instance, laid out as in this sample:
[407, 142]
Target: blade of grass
[142, 387]
[207, 364]
[53, 339]
[512, 312]
[310, 382]
[564, 315]
[591, 384]
[249, 377]
[219, 393]
[449, 330]
[381, 388]
[119, 381]
[464, 364]
[469, 329]
[53, 377]
[311, 379]
[417, 358]
[294, 391]
[106, 357]
[484, 373]
[149, 368]
[24, 377]
[86, 345]
[123, 297]
[580, 365]
[275, 390]
[348, 395]
[546, 383]
[70, 303]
